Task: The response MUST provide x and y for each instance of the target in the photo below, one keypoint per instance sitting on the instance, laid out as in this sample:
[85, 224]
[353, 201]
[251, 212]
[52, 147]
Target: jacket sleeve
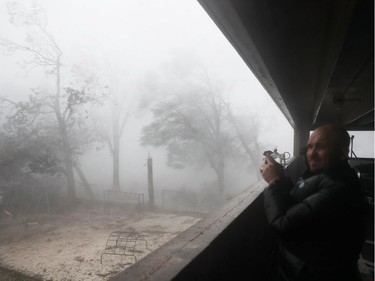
[286, 216]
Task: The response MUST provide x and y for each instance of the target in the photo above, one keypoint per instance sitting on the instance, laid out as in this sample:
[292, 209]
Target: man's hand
[271, 170]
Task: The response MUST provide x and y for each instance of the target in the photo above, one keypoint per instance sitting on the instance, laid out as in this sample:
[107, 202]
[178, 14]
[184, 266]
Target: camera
[275, 155]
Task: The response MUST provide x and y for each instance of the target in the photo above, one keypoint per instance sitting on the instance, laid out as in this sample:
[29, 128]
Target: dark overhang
[314, 58]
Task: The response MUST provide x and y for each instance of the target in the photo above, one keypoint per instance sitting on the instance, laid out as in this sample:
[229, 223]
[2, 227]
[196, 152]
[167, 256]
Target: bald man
[320, 219]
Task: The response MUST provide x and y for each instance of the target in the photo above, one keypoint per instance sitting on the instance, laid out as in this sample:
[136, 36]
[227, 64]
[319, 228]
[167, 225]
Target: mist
[114, 50]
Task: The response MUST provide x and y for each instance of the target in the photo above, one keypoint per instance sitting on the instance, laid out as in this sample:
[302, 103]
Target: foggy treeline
[182, 113]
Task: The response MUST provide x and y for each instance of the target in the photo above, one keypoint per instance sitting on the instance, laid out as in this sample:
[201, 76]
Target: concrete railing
[232, 243]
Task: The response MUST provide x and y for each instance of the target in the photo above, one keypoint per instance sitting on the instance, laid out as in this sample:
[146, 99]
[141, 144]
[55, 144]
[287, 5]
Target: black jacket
[320, 223]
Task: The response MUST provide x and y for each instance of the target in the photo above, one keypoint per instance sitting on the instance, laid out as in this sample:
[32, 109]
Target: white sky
[137, 36]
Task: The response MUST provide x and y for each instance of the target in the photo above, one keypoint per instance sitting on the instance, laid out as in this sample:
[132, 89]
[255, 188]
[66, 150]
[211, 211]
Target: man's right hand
[271, 170]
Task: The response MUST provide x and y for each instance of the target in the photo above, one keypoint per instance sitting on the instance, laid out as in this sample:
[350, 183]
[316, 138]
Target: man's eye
[320, 146]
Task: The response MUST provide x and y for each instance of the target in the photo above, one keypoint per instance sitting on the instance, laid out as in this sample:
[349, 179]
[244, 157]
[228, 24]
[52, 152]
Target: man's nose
[311, 151]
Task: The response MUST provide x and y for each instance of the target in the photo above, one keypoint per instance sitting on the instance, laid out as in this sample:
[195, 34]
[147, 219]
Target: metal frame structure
[123, 243]
[121, 196]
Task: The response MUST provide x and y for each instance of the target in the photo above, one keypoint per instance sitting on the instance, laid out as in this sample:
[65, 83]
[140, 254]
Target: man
[320, 219]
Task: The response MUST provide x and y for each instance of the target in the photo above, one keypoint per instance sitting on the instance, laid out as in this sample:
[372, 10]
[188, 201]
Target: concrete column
[301, 136]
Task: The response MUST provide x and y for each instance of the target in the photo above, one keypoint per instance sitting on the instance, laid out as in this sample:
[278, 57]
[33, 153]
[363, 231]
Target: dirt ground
[69, 245]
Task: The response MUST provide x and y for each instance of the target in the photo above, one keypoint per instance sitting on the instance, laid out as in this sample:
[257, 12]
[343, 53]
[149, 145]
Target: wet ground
[9, 275]
[69, 246]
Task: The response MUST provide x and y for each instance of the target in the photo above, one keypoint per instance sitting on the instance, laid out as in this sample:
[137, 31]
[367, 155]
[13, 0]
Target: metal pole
[151, 200]
[351, 147]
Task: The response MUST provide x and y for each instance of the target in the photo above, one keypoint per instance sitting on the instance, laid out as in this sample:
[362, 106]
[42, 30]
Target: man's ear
[344, 152]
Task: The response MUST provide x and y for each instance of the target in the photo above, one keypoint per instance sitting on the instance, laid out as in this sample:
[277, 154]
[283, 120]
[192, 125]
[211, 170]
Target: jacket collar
[336, 169]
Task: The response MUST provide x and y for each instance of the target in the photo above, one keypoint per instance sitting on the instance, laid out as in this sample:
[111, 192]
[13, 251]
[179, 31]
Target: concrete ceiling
[314, 57]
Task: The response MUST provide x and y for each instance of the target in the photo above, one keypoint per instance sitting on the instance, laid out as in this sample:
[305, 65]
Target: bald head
[326, 146]
[338, 135]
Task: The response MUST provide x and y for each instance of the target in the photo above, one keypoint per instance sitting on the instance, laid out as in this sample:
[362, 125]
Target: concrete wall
[233, 243]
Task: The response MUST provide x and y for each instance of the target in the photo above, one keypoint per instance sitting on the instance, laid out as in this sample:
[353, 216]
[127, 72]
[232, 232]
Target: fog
[124, 44]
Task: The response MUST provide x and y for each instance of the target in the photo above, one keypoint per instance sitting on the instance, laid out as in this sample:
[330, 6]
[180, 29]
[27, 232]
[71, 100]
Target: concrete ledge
[227, 237]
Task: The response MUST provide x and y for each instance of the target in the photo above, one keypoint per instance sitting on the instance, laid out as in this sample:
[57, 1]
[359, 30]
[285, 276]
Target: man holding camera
[320, 219]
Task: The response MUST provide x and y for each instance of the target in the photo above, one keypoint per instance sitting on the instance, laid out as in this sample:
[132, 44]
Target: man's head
[326, 146]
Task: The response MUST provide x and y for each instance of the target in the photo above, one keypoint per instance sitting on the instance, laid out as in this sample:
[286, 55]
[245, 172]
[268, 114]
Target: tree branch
[8, 100]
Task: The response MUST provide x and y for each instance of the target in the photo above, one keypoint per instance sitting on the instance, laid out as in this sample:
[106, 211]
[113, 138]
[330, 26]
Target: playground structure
[111, 197]
[123, 243]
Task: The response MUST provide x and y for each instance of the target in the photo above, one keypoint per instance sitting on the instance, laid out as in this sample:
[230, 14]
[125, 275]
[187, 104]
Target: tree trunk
[68, 157]
[220, 179]
[116, 165]
[219, 170]
[85, 182]
[116, 150]
[254, 157]
[68, 161]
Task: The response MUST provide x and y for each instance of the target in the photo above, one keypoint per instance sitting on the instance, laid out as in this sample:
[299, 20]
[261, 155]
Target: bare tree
[193, 119]
[43, 51]
[193, 130]
[120, 111]
[246, 130]
[121, 108]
